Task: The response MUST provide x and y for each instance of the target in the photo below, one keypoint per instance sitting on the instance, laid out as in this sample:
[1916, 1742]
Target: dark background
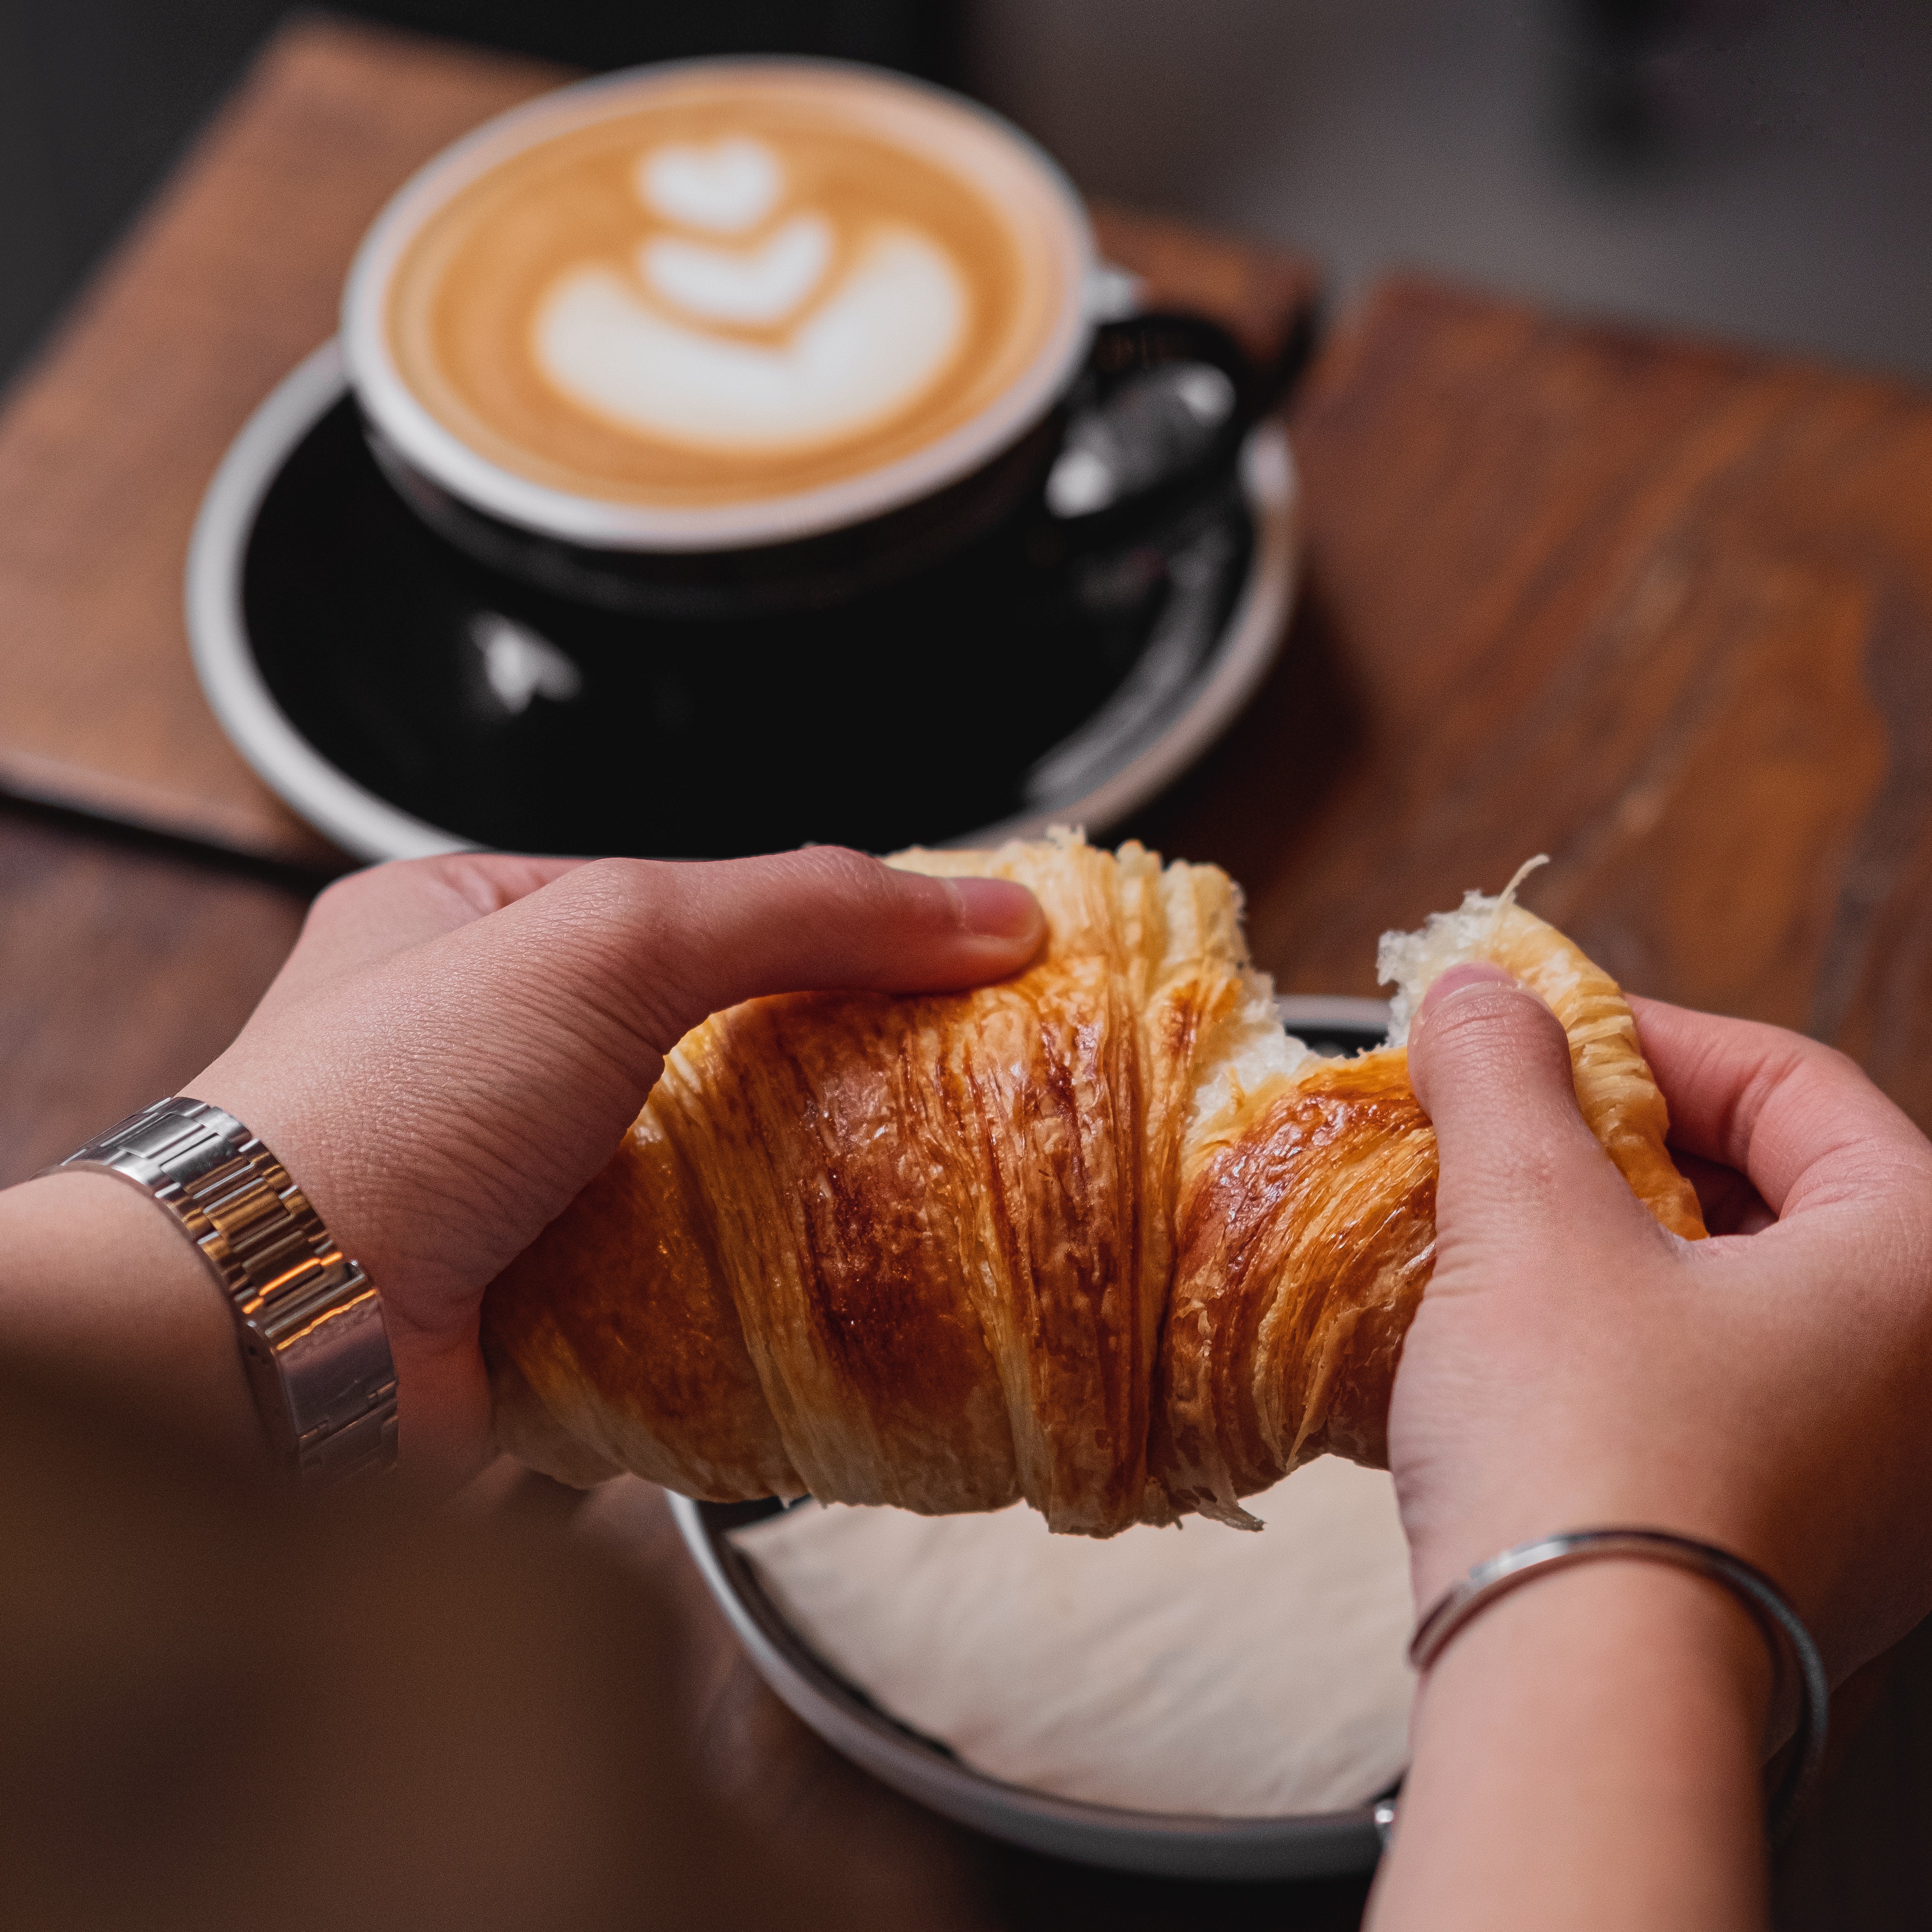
[1755, 168]
[97, 97]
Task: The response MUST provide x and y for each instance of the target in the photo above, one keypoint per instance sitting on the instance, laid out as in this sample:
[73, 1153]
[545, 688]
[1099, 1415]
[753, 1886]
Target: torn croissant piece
[1102, 1236]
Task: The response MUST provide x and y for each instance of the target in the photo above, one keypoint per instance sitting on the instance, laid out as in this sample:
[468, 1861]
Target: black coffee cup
[1114, 424]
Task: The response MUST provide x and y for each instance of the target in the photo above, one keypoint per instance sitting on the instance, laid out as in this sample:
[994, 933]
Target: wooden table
[1664, 609]
[109, 441]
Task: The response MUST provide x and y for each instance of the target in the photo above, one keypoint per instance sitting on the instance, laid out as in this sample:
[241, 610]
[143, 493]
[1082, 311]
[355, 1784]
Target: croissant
[1102, 1236]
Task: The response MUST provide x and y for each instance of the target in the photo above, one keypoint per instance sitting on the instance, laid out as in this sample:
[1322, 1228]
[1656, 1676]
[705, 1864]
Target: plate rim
[360, 820]
[1307, 1845]
[368, 826]
[1317, 1011]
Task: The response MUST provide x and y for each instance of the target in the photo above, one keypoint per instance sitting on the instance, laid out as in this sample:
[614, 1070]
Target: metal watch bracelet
[309, 1321]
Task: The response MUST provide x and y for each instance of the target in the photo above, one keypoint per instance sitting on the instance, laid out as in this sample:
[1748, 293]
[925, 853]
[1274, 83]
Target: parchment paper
[1200, 1670]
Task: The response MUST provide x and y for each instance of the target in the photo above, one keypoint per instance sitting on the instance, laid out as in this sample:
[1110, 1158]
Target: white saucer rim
[358, 820]
[1251, 639]
[367, 825]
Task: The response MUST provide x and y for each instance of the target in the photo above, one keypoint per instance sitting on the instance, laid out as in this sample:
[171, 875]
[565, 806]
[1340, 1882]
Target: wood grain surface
[126, 963]
[232, 277]
[1660, 609]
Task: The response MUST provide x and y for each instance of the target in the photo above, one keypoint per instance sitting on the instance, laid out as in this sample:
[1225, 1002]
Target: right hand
[1769, 1390]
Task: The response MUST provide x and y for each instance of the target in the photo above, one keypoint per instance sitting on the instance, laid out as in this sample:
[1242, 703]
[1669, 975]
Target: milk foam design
[652, 347]
[760, 287]
[727, 187]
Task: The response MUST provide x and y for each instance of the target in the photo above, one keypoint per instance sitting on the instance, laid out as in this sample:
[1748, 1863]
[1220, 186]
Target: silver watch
[310, 1323]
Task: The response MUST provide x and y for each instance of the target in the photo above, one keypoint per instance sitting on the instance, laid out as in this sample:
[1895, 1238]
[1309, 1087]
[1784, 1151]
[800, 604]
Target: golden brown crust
[1092, 1237]
[1616, 1090]
[1307, 1230]
[625, 1343]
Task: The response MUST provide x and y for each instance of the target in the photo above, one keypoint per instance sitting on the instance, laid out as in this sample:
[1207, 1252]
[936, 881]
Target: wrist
[304, 1140]
[103, 1286]
[1588, 1751]
[1560, 1491]
[1617, 1629]
[430, 1322]
[307, 1322]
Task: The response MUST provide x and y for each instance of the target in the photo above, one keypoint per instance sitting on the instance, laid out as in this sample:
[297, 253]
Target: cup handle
[1134, 347]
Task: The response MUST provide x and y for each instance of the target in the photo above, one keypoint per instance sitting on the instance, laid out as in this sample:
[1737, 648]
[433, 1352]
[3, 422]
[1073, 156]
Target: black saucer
[402, 697]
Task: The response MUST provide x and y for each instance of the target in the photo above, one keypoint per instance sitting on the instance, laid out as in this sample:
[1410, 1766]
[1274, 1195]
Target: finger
[1801, 1120]
[1490, 1063]
[384, 909]
[698, 937]
[1728, 1203]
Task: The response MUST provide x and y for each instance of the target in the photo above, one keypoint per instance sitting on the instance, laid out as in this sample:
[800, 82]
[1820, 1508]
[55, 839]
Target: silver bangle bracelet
[1783, 1629]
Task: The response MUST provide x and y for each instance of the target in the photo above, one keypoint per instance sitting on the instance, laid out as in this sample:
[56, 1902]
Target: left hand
[456, 1045]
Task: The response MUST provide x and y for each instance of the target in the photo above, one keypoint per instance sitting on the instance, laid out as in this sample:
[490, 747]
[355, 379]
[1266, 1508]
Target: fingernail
[997, 909]
[1459, 979]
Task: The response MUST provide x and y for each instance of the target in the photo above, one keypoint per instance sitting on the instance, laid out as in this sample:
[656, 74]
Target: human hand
[1573, 1364]
[456, 1045]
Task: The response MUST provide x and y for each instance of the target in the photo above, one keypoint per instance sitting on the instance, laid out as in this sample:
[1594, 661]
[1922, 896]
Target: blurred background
[1761, 169]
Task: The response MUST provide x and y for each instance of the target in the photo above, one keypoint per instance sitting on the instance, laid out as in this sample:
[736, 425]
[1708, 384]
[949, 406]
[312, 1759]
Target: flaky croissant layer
[1102, 1236]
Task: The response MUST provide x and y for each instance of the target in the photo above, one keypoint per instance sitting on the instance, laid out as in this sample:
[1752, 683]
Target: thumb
[368, 916]
[694, 938]
[1490, 1064]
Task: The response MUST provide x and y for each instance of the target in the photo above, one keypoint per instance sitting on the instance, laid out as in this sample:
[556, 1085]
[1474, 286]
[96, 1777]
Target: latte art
[726, 285]
[729, 187]
[869, 341]
[764, 284]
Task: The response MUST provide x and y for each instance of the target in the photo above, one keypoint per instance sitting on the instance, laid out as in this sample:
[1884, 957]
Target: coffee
[702, 289]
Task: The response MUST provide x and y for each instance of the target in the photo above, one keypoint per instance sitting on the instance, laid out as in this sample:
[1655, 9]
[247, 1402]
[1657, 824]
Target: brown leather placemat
[232, 277]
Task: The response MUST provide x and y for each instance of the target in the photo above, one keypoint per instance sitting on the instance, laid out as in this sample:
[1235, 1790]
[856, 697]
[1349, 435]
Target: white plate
[1316, 1845]
[1319, 1845]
